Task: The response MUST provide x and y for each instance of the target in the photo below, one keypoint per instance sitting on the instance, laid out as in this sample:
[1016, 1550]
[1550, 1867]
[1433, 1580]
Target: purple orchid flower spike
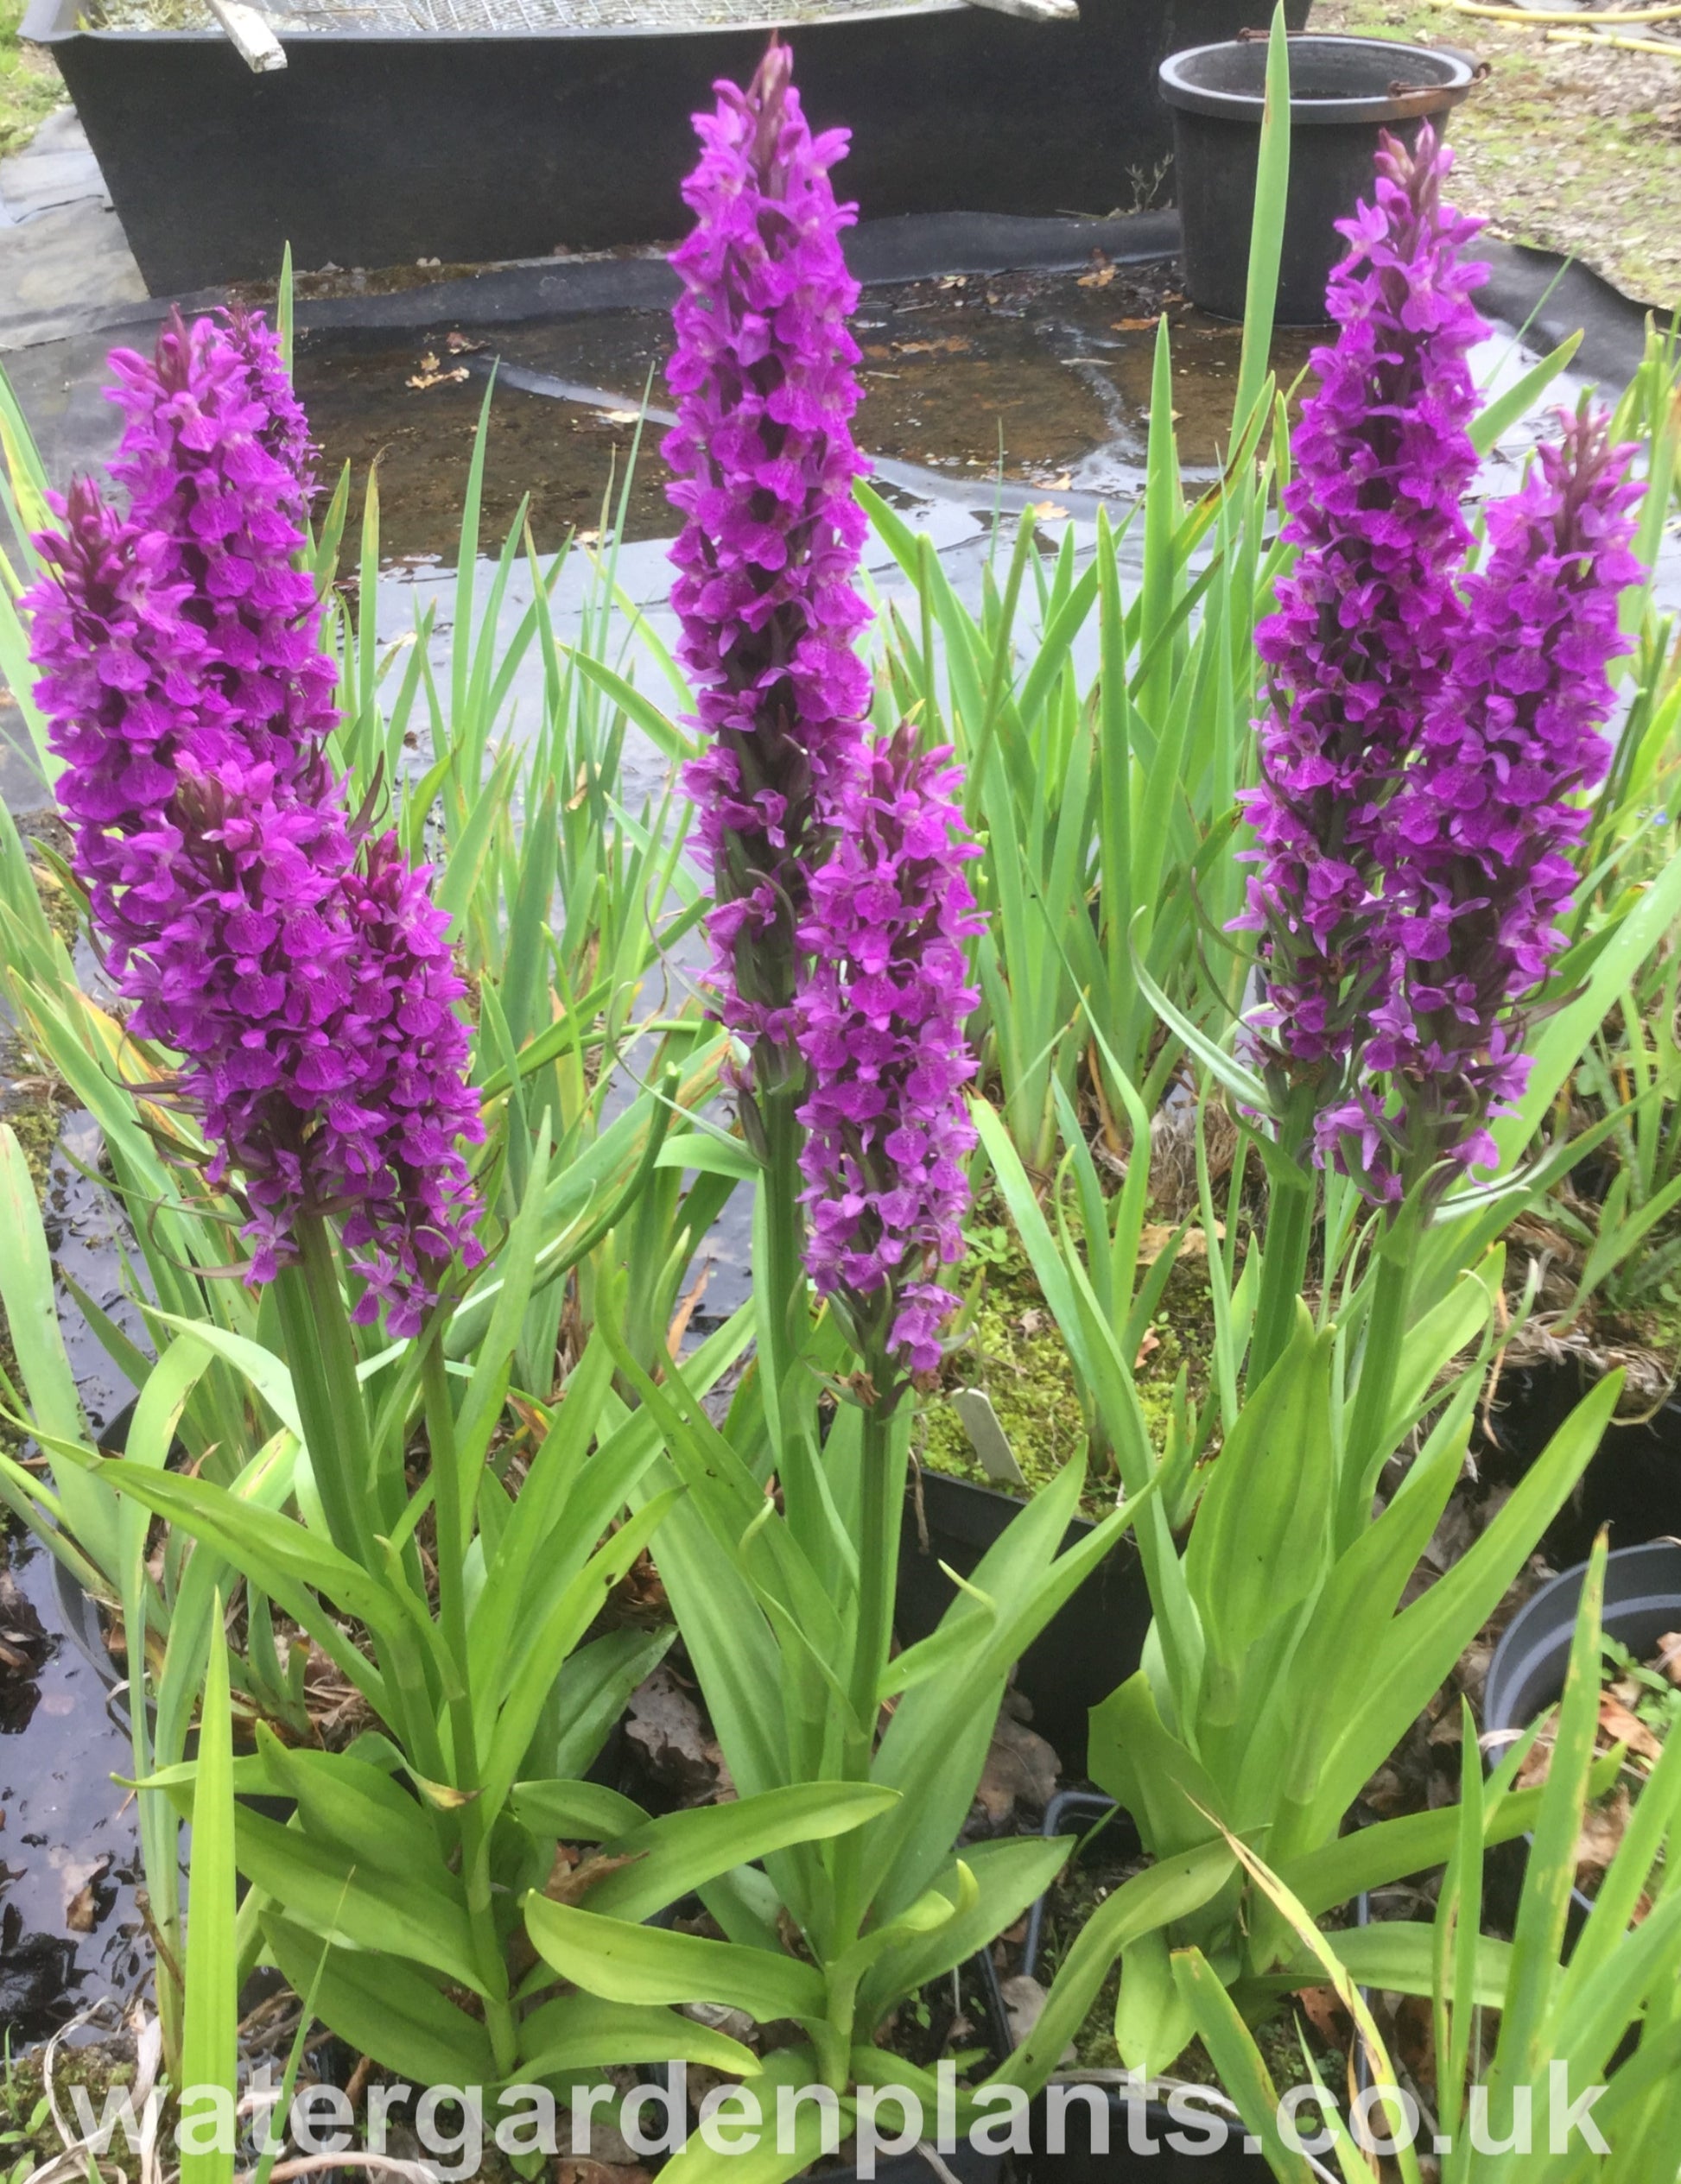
[769, 552]
[298, 967]
[1481, 831]
[882, 1018]
[1368, 620]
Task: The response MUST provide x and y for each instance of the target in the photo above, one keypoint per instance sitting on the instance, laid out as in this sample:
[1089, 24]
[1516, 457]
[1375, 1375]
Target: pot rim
[1176, 86]
[1543, 1626]
[1539, 1634]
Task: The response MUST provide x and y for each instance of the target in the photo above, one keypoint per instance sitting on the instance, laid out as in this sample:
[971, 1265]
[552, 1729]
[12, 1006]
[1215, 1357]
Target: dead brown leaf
[1100, 278]
[573, 1883]
[1669, 1655]
[1133, 326]
[423, 379]
[1603, 1826]
[577, 2169]
[81, 1910]
[1624, 1728]
[1324, 2010]
[669, 1732]
[685, 1312]
[1021, 1772]
[1415, 2038]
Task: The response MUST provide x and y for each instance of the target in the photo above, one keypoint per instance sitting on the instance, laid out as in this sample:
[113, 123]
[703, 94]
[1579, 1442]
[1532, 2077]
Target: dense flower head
[881, 1029]
[1367, 619]
[298, 967]
[184, 627]
[1483, 825]
[763, 377]
[304, 975]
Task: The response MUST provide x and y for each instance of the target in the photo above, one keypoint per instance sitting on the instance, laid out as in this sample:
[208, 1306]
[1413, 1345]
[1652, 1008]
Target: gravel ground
[1575, 149]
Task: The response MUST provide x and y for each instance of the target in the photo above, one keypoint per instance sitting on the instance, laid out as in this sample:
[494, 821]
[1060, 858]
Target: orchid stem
[1378, 1370]
[449, 1496]
[781, 1310]
[330, 1405]
[881, 1485]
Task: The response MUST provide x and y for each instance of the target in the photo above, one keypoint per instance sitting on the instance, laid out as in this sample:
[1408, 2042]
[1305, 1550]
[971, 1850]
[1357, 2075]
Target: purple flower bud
[771, 537]
[881, 1029]
[1368, 620]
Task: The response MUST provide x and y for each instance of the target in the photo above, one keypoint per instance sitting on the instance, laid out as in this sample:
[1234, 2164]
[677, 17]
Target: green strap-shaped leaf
[324, 1887]
[675, 1853]
[580, 1812]
[1007, 1875]
[595, 1687]
[1170, 1890]
[383, 2008]
[210, 2036]
[26, 1292]
[358, 1808]
[624, 1963]
[273, 1550]
[1242, 2070]
[1260, 1544]
[1398, 1956]
[1144, 1766]
[779, 2153]
[581, 2032]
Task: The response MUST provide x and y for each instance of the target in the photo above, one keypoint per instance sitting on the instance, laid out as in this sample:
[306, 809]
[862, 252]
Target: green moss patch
[1011, 1350]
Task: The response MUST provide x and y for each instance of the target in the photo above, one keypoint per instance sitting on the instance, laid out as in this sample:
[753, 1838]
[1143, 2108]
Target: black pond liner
[1343, 91]
[1089, 1647]
[1215, 2151]
[1632, 1483]
[377, 148]
[1526, 1675]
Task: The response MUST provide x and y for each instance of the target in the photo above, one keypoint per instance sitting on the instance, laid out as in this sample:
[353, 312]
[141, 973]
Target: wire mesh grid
[489, 18]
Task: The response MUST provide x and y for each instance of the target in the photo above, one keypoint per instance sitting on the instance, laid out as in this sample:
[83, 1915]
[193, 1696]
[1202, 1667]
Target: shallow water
[70, 1927]
[1023, 391]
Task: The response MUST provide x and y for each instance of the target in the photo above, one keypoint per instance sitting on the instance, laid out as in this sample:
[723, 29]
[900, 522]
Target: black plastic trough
[374, 149]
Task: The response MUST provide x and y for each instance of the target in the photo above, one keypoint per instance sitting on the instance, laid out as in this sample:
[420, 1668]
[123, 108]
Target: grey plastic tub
[1343, 93]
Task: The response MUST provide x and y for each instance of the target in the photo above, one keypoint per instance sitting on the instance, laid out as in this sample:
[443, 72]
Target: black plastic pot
[1138, 2136]
[1343, 91]
[1633, 1481]
[1526, 1675]
[1089, 1648]
[375, 149]
[965, 2162]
